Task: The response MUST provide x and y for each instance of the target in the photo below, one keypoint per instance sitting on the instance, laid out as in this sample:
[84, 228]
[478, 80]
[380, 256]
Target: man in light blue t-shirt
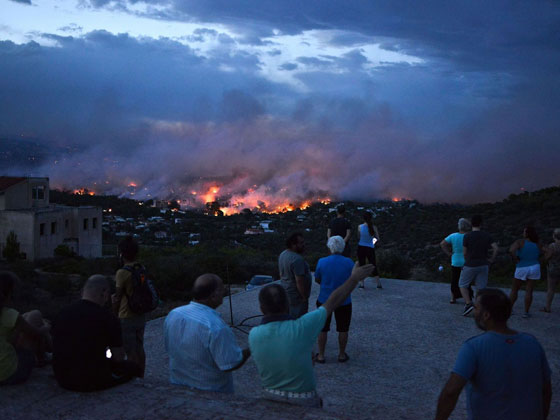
[281, 346]
[507, 371]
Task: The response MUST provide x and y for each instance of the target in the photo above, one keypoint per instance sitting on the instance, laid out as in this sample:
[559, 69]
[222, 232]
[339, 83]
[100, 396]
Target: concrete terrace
[403, 343]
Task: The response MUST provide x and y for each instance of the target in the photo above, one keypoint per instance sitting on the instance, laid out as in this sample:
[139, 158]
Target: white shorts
[533, 272]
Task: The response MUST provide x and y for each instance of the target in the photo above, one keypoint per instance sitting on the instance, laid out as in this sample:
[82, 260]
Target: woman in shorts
[552, 256]
[369, 235]
[24, 339]
[526, 252]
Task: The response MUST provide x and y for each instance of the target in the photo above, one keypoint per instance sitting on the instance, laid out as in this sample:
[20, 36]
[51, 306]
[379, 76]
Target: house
[40, 226]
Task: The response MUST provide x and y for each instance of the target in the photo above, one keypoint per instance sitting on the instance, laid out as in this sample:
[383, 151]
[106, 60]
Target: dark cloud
[22, 1]
[288, 66]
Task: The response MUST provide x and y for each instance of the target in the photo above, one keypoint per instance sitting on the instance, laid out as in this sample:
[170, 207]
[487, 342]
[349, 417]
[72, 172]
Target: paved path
[403, 343]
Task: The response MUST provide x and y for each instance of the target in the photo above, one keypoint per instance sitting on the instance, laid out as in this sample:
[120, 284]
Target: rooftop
[403, 343]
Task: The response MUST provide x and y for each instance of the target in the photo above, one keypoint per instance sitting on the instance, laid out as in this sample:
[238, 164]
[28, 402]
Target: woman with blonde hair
[552, 257]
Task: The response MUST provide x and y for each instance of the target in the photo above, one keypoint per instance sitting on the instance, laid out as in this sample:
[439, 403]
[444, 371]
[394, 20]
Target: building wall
[22, 225]
[87, 228]
[20, 196]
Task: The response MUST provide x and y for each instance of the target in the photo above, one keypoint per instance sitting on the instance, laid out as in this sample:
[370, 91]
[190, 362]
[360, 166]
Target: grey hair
[97, 283]
[464, 225]
[336, 244]
[556, 233]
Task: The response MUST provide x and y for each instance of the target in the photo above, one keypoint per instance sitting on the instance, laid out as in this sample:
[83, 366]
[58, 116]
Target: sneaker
[468, 309]
[361, 286]
[526, 315]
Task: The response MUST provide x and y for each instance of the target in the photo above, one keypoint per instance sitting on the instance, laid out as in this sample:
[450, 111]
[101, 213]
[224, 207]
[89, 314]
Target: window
[66, 223]
[38, 192]
[42, 229]
[94, 223]
[86, 224]
[53, 228]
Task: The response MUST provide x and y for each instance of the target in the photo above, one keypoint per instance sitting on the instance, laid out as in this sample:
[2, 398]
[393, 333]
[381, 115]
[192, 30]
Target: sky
[270, 100]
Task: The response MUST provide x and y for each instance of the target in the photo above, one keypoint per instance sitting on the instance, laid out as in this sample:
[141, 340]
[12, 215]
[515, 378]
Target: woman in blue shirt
[452, 245]
[369, 235]
[526, 252]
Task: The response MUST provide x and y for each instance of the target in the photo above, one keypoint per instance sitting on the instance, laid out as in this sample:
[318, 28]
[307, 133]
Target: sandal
[344, 358]
[543, 309]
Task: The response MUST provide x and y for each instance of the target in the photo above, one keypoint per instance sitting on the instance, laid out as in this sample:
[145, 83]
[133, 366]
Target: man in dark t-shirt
[476, 245]
[340, 226]
[82, 333]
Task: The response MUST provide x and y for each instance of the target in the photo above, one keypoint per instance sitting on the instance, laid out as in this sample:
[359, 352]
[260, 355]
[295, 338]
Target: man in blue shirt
[507, 371]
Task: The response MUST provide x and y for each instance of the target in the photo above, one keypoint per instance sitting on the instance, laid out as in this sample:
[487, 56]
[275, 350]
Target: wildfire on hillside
[83, 191]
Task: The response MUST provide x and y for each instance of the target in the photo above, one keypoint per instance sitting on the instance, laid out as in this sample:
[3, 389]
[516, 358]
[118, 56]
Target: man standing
[202, 349]
[507, 371]
[475, 249]
[82, 332]
[295, 274]
[132, 324]
[340, 226]
[281, 346]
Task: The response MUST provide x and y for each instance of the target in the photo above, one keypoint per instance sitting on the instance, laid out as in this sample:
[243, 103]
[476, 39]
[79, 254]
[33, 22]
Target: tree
[11, 250]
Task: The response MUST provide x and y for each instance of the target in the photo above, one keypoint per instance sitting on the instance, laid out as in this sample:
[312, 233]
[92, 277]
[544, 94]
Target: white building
[40, 226]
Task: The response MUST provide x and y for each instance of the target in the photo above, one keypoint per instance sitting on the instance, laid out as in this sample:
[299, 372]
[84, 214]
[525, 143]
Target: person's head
[8, 281]
[336, 244]
[476, 221]
[340, 209]
[208, 289]
[128, 249]
[273, 300]
[463, 225]
[531, 233]
[97, 289]
[368, 218]
[296, 243]
[556, 234]
[492, 308]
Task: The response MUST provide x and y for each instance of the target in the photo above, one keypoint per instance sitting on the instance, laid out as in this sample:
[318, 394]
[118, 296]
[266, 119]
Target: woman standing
[528, 269]
[369, 236]
[552, 256]
[452, 245]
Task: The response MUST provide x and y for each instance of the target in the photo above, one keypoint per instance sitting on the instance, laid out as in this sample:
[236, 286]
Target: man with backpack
[134, 297]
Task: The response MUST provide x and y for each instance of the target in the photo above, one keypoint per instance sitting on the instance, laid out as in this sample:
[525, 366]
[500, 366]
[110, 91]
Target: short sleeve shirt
[8, 356]
[339, 226]
[477, 243]
[201, 348]
[506, 374]
[292, 264]
[333, 271]
[123, 280]
[81, 334]
[282, 351]
[456, 241]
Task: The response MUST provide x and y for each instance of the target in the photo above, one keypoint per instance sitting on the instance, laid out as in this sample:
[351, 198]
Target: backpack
[144, 297]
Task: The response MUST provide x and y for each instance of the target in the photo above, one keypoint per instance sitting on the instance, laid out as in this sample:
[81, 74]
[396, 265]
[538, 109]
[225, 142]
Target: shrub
[64, 251]
[392, 264]
[11, 250]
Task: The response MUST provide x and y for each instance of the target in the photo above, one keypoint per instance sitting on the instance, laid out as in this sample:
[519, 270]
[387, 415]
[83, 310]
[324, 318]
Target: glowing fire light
[132, 184]
[83, 191]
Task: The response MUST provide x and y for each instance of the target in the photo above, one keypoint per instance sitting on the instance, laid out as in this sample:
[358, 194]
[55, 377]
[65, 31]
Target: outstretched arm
[449, 395]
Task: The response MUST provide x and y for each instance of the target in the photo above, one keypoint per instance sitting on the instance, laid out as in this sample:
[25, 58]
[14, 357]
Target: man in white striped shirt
[202, 349]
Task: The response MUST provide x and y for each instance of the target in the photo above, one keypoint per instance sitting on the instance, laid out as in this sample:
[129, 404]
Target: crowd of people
[98, 342]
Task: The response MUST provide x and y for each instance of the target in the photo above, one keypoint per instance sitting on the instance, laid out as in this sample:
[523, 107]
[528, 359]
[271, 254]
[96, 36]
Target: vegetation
[11, 251]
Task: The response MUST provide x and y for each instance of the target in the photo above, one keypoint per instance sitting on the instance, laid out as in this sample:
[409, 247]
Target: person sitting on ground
[332, 272]
[201, 346]
[507, 371]
[552, 257]
[526, 252]
[24, 339]
[281, 346]
[82, 334]
[369, 236]
[452, 245]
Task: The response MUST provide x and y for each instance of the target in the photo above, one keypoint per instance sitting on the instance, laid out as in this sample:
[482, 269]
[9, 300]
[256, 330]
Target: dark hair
[128, 247]
[293, 239]
[204, 286]
[341, 209]
[273, 299]
[7, 282]
[496, 303]
[532, 234]
[476, 220]
[368, 219]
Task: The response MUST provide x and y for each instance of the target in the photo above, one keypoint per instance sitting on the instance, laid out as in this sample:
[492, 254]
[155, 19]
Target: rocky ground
[403, 343]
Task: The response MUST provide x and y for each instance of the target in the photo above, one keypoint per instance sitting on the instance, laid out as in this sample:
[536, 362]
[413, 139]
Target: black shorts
[369, 253]
[343, 316]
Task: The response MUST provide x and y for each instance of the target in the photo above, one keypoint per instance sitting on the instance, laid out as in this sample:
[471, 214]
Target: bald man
[202, 349]
[82, 333]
